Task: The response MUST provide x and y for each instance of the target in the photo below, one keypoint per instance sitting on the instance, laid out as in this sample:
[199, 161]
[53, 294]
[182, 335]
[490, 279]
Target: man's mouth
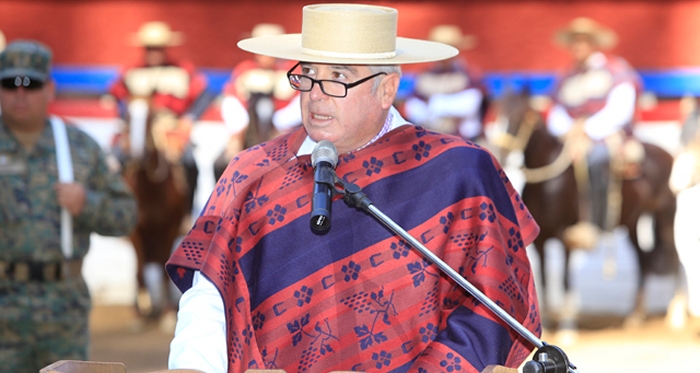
[320, 116]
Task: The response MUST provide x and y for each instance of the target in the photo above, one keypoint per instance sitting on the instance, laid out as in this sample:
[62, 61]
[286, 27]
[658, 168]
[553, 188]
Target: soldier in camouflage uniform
[44, 300]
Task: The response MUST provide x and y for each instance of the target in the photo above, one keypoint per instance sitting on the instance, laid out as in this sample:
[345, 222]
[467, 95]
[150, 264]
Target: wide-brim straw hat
[603, 37]
[452, 35]
[266, 29]
[156, 34]
[350, 34]
[263, 29]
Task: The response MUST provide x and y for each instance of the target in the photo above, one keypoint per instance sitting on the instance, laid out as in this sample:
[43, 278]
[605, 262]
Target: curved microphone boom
[324, 158]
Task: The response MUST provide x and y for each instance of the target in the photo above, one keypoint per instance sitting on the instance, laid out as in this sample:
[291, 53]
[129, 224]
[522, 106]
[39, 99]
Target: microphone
[324, 158]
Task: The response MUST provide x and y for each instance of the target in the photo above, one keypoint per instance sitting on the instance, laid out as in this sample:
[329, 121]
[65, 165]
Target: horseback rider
[177, 93]
[258, 102]
[594, 107]
[450, 96]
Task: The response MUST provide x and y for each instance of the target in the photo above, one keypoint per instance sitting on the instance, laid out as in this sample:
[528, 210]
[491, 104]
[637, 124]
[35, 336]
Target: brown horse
[261, 108]
[161, 193]
[551, 194]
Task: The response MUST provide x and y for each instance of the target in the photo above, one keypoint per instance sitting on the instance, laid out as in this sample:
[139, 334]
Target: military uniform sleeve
[110, 206]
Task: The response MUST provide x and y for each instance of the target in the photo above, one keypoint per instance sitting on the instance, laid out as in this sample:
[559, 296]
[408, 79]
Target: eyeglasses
[331, 88]
[19, 81]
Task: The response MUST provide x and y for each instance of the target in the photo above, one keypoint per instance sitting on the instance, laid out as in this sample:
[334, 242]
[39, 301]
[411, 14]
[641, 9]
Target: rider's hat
[452, 35]
[352, 34]
[156, 34]
[602, 36]
[266, 29]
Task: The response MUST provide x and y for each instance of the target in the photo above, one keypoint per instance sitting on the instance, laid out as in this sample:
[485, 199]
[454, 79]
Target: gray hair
[388, 69]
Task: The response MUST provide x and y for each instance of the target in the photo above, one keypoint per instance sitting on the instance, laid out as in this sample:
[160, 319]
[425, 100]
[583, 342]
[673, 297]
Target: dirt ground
[602, 346]
[118, 336]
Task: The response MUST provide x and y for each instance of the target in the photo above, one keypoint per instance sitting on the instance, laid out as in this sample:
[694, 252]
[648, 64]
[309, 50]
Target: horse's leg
[567, 331]
[639, 312]
[191, 171]
[143, 302]
[545, 309]
[170, 240]
[135, 239]
[153, 276]
[668, 262]
[663, 258]
[636, 199]
[160, 283]
[171, 293]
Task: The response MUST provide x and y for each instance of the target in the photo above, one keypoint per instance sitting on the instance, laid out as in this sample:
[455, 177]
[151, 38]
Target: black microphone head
[324, 151]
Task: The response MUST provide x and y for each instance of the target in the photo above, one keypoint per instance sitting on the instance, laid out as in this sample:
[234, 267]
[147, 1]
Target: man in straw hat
[176, 91]
[55, 191]
[258, 102]
[449, 96]
[594, 103]
[262, 289]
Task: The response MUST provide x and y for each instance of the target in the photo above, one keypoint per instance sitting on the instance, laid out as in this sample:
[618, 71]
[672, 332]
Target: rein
[519, 141]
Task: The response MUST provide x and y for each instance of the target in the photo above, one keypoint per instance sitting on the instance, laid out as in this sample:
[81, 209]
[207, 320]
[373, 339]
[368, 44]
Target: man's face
[352, 121]
[265, 62]
[24, 108]
[581, 47]
[154, 56]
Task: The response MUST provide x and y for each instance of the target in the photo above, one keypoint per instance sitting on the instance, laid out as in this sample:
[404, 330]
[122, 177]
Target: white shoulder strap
[65, 175]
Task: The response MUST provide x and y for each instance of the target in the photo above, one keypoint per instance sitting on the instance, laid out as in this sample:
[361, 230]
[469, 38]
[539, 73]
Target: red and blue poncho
[358, 297]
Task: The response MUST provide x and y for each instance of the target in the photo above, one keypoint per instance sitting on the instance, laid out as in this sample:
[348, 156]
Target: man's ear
[388, 89]
[51, 89]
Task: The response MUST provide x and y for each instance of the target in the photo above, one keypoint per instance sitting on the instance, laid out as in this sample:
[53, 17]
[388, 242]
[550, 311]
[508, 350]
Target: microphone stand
[547, 358]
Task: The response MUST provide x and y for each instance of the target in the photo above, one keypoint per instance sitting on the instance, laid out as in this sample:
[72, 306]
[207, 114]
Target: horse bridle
[519, 141]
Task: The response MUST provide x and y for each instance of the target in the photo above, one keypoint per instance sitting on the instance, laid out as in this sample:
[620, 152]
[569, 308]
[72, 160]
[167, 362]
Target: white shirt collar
[393, 120]
[597, 60]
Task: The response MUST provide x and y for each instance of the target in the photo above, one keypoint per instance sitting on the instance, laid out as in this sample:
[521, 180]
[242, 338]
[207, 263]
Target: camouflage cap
[25, 58]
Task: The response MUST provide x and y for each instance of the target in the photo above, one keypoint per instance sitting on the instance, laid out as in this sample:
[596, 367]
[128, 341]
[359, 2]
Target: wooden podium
[74, 366]
[498, 369]
[488, 369]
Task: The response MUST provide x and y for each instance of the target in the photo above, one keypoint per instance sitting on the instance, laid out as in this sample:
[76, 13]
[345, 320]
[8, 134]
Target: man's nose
[316, 93]
[21, 90]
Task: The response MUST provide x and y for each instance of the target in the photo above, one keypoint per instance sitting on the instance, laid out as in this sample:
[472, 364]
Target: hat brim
[288, 47]
[174, 40]
[17, 71]
[605, 39]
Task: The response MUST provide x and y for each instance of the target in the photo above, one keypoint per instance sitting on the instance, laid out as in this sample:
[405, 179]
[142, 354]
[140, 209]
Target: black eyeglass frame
[15, 82]
[320, 82]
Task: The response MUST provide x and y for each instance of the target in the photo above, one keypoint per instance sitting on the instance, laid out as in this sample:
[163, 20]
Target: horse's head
[516, 120]
[261, 107]
[153, 130]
